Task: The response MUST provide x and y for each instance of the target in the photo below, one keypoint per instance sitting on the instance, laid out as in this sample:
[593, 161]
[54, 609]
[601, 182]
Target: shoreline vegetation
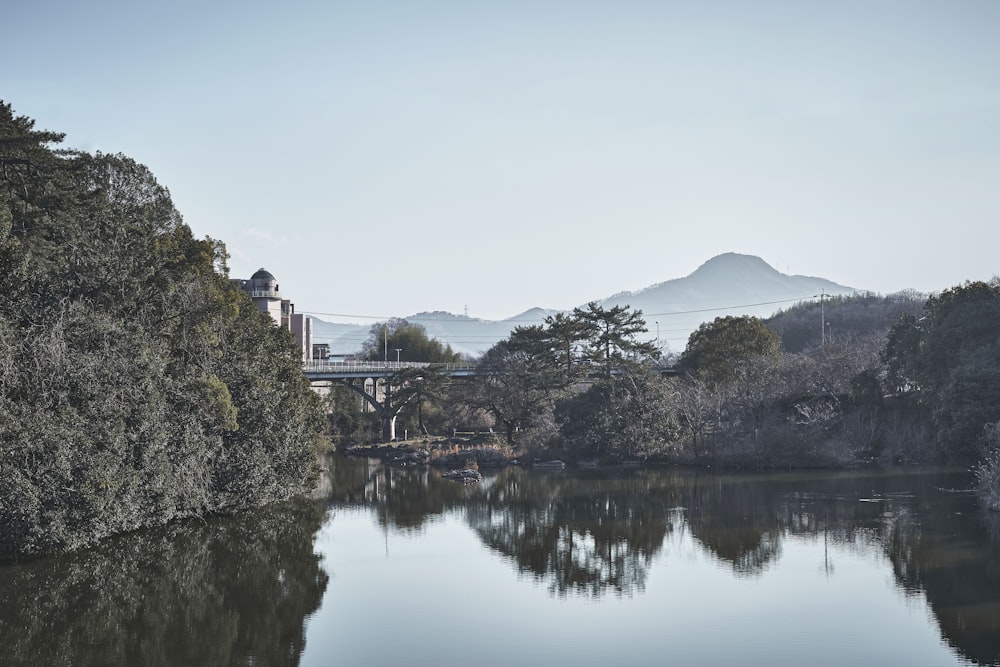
[139, 385]
[907, 379]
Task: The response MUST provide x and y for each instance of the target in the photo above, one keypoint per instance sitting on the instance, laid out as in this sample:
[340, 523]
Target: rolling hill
[728, 284]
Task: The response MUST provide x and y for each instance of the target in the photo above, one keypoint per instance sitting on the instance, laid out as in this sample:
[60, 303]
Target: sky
[387, 158]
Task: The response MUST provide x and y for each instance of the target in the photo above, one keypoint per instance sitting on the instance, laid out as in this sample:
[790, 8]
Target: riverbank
[440, 451]
[475, 452]
[490, 452]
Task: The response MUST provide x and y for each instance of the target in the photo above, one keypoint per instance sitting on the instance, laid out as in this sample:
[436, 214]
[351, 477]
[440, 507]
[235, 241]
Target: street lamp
[398, 350]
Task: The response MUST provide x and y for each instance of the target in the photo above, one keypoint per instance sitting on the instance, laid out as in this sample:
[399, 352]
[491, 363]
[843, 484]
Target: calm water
[610, 567]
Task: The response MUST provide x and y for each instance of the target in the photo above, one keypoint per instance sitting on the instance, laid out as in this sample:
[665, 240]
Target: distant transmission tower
[466, 310]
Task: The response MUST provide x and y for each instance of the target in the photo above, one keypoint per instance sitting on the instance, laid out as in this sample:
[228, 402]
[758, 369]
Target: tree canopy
[409, 342]
[950, 356]
[717, 349]
[532, 380]
[610, 336]
[137, 383]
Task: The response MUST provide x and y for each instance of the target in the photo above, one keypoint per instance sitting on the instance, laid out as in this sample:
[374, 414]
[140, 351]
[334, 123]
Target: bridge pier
[389, 428]
[391, 374]
[377, 394]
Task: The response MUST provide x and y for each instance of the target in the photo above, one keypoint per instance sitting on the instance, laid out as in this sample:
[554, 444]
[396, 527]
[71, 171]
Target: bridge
[341, 370]
[373, 381]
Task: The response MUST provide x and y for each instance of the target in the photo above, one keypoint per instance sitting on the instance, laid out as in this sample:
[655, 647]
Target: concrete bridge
[341, 370]
[373, 381]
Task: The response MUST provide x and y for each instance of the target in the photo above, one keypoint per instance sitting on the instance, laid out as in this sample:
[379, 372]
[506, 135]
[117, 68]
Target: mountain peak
[734, 263]
[728, 284]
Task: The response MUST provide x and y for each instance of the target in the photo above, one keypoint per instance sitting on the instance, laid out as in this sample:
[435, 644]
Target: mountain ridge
[727, 284]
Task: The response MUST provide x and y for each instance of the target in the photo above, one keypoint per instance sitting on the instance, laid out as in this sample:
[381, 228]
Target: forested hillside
[847, 319]
[137, 384]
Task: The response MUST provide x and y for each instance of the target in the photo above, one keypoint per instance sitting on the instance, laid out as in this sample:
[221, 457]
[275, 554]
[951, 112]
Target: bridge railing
[379, 366]
[383, 368]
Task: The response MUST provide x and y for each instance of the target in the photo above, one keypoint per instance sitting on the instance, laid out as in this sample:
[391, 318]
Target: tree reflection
[952, 554]
[736, 520]
[407, 496]
[584, 537]
[230, 591]
[597, 532]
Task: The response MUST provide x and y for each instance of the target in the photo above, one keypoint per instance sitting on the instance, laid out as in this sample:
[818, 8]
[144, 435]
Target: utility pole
[385, 330]
[822, 317]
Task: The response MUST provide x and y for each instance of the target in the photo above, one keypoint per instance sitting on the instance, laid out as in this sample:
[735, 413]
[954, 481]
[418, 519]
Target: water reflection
[408, 496]
[946, 553]
[594, 533]
[240, 590]
[580, 535]
[233, 591]
[738, 522]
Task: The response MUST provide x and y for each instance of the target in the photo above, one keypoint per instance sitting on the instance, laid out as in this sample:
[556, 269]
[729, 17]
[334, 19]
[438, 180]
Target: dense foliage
[400, 340]
[580, 380]
[719, 351]
[950, 357]
[840, 319]
[137, 384]
[903, 381]
[230, 591]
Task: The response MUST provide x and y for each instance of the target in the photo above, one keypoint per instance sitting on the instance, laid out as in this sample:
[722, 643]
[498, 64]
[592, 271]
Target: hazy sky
[385, 158]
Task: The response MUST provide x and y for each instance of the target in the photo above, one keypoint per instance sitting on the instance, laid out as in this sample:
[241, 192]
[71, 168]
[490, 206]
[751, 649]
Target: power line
[531, 319]
[745, 305]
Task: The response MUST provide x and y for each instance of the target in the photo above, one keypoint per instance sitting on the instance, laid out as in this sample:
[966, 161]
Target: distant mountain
[468, 336]
[729, 284]
[473, 336]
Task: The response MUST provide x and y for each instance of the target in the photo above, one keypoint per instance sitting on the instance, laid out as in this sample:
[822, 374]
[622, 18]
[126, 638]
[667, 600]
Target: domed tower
[263, 289]
[264, 281]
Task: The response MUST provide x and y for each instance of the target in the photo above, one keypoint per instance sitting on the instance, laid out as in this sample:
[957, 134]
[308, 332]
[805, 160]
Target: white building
[263, 289]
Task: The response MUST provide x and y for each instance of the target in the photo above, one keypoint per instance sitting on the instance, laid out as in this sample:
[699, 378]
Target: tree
[960, 323]
[522, 379]
[508, 387]
[697, 409]
[951, 358]
[564, 337]
[967, 404]
[845, 318]
[138, 385]
[551, 351]
[900, 354]
[345, 416]
[609, 336]
[724, 349]
[623, 412]
[411, 388]
[628, 415]
[412, 341]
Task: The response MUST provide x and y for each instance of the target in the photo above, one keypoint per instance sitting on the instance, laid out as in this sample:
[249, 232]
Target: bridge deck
[343, 370]
[338, 370]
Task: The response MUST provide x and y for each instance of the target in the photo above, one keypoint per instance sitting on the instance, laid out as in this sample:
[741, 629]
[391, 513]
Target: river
[623, 566]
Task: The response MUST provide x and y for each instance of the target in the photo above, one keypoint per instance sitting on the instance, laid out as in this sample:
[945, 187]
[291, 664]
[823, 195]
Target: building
[263, 289]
